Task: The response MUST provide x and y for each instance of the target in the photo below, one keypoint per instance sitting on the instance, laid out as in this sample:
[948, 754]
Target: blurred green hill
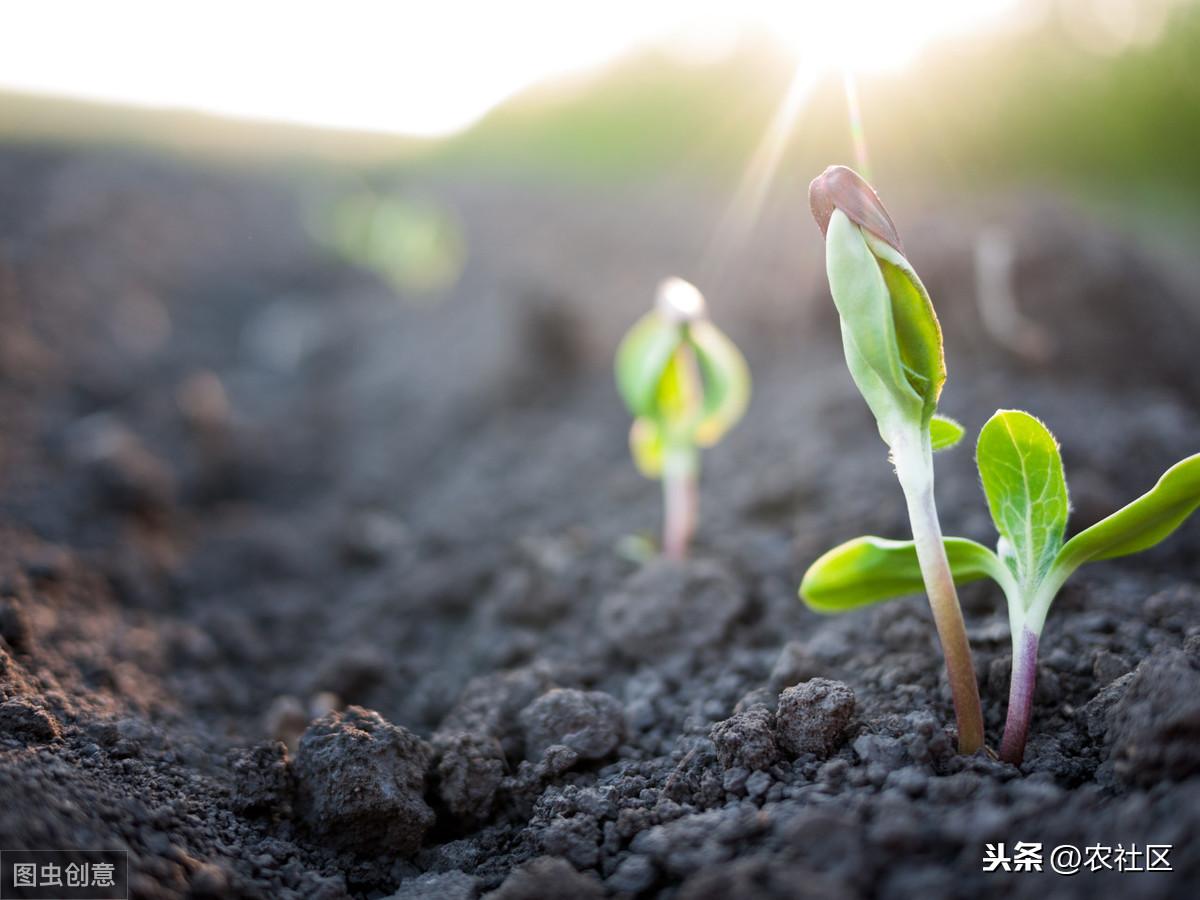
[991, 110]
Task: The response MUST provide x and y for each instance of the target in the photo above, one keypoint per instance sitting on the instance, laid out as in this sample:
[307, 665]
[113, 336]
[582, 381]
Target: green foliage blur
[993, 109]
[413, 243]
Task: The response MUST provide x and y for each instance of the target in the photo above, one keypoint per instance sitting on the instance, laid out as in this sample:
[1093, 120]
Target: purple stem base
[1020, 699]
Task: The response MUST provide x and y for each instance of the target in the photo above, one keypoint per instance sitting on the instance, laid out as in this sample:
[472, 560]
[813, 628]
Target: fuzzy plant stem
[1020, 697]
[914, 468]
[681, 501]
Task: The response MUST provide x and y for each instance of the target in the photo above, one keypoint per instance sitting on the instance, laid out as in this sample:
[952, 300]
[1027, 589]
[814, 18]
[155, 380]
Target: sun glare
[847, 37]
[872, 35]
[419, 68]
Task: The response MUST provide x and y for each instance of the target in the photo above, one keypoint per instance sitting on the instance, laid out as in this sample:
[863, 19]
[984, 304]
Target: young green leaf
[918, 332]
[676, 369]
[726, 382]
[679, 400]
[1143, 523]
[1026, 492]
[869, 570]
[868, 327]
[944, 433]
[643, 354]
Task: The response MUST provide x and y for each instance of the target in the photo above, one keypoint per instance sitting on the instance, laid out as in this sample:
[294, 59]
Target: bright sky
[421, 67]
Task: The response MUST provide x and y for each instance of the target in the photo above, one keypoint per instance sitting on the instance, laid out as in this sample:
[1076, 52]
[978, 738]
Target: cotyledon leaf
[726, 380]
[679, 396]
[1026, 492]
[918, 333]
[1143, 523]
[869, 570]
[643, 354]
[864, 306]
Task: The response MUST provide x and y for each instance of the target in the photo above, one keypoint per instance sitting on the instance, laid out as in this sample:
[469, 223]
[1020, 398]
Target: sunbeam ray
[858, 135]
[746, 206]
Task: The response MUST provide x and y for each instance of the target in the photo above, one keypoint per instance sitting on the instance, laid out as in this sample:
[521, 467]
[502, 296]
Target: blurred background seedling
[410, 240]
[686, 385]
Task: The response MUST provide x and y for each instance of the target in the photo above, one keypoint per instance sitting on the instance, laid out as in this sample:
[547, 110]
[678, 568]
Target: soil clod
[590, 723]
[812, 717]
[360, 783]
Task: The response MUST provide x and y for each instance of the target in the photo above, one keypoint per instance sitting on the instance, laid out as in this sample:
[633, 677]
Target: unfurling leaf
[868, 327]
[1026, 492]
[890, 332]
[679, 400]
[918, 331]
[643, 354]
[726, 382]
[871, 569]
[944, 433]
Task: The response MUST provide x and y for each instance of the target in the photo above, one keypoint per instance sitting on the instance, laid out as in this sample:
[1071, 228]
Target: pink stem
[914, 467]
[680, 503]
[1020, 698]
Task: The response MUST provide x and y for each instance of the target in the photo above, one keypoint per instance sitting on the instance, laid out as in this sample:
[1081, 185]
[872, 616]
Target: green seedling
[1026, 491]
[686, 385]
[893, 346]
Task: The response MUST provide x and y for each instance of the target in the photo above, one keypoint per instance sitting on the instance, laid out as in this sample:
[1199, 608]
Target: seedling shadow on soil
[293, 607]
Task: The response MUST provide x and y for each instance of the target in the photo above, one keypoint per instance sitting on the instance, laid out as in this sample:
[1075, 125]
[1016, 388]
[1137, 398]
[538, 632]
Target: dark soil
[309, 590]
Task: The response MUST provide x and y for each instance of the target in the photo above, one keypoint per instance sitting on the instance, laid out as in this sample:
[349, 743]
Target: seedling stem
[1020, 696]
[681, 501]
[913, 458]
